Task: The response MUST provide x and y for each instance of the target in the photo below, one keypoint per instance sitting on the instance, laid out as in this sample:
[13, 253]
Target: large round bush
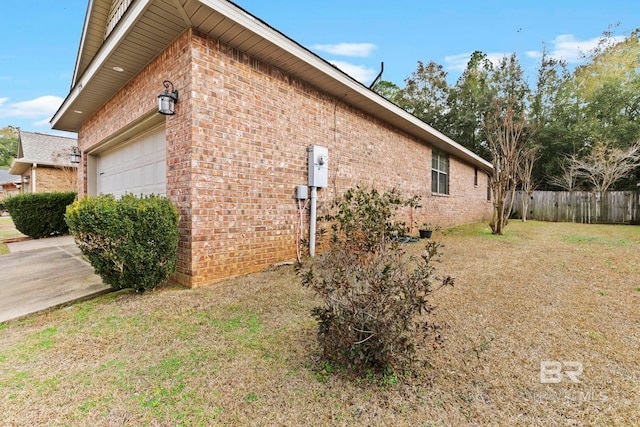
[39, 214]
[131, 242]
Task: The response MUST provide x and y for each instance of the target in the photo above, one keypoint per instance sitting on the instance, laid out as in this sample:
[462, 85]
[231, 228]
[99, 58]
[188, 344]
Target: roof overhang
[20, 166]
[154, 24]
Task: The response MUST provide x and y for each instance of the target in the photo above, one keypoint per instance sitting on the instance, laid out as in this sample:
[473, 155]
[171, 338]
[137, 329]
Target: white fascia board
[270, 34]
[103, 54]
[82, 41]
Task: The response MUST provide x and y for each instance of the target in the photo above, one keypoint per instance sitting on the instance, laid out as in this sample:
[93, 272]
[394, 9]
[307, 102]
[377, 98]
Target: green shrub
[373, 292]
[39, 214]
[131, 242]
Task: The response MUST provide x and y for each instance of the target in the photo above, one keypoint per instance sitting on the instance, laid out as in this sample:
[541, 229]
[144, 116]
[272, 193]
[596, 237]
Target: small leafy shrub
[373, 293]
[39, 214]
[131, 242]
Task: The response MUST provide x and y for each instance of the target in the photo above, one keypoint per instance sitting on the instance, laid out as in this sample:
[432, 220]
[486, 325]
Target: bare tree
[606, 165]
[570, 175]
[69, 171]
[506, 140]
[525, 175]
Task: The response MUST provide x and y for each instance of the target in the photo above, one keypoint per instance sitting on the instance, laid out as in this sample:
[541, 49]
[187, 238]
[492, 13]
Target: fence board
[613, 207]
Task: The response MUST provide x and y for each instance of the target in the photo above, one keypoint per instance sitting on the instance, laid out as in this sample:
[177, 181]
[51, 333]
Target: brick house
[43, 163]
[251, 101]
[9, 184]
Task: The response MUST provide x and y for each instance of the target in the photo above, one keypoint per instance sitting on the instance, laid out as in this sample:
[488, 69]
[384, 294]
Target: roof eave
[262, 29]
[339, 84]
[111, 43]
[19, 166]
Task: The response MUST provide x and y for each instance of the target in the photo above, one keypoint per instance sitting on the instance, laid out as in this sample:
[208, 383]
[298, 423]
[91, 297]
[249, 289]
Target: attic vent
[118, 8]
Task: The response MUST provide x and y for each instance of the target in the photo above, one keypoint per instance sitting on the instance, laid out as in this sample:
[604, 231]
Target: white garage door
[138, 167]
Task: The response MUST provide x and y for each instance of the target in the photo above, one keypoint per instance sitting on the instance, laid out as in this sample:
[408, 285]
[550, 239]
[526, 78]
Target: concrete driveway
[42, 274]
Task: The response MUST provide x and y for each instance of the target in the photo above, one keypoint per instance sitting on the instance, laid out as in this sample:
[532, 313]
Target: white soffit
[149, 26]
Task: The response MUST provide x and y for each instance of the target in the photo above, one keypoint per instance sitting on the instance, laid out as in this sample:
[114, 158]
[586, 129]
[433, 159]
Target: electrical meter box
[318, 166]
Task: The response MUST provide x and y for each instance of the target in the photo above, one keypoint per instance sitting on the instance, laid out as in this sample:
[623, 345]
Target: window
[475, 176]
[26, 183]
[488, 188]
[439, 172]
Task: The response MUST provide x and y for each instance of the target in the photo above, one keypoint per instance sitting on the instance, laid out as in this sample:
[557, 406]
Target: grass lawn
[7, 231]
[244, 352]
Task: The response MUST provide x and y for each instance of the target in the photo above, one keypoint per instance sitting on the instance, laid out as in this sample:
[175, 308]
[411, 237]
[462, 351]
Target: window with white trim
[439, 172]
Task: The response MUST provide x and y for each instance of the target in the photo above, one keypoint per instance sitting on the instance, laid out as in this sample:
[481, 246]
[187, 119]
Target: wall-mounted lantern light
[167, 99]
[74, 157]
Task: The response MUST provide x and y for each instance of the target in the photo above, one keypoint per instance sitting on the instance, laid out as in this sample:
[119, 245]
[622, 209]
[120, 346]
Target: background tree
[606, 164]
[569, 176]
[426, 94]
[468, 102]
[528, 184]
[568, 114]
[387, 90]
[8, 145]
[598, 102]
[551, 112]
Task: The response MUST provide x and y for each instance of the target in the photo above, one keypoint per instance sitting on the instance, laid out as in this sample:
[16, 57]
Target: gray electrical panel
[318, 166]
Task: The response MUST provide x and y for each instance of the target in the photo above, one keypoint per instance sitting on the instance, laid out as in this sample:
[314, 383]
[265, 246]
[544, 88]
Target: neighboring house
[9, 184]
[43, 163]
[251, 101]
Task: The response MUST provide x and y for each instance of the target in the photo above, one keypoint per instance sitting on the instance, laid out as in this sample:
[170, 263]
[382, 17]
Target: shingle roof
[43, 149]
[6, 177]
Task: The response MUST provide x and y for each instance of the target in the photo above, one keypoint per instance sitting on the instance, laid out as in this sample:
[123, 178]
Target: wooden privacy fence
[612, 207]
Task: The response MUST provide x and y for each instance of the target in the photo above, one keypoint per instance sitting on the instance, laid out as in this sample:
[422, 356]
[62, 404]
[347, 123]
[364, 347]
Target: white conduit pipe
[312, 222]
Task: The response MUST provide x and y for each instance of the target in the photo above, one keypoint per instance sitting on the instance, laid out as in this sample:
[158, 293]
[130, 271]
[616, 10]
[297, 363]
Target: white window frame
[439, 172]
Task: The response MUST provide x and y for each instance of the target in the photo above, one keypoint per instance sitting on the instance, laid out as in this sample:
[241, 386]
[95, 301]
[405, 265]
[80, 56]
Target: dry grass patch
[7, 231]
[244, 352]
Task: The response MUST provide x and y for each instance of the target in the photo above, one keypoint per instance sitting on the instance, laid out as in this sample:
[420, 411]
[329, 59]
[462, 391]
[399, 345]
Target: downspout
[312, 222]
[33, 177]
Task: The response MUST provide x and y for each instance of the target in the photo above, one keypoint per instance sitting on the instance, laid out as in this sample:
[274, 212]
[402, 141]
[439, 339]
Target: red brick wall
[138, 99]
[236, 149]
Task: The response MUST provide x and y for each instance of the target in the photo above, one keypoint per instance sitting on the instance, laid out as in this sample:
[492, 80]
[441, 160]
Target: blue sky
[40, 39]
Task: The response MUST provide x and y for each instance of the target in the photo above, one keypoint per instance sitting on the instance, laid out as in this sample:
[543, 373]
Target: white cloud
[358, 72]
[44, 106]
[360, 50]
[535, 54]
[459, 62]
[570, 49]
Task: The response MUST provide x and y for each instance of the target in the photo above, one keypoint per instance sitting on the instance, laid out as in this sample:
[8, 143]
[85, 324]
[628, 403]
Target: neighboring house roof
[42, 149]
[7, 178]
[147, 27]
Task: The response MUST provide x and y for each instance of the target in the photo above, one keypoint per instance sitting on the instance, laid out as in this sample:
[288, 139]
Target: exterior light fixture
[167, 99]
[74, 157]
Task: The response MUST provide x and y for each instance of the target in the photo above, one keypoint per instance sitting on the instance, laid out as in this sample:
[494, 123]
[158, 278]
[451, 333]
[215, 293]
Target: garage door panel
[138, 167]
[136, 153]
[161, 172]
[149, 175]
